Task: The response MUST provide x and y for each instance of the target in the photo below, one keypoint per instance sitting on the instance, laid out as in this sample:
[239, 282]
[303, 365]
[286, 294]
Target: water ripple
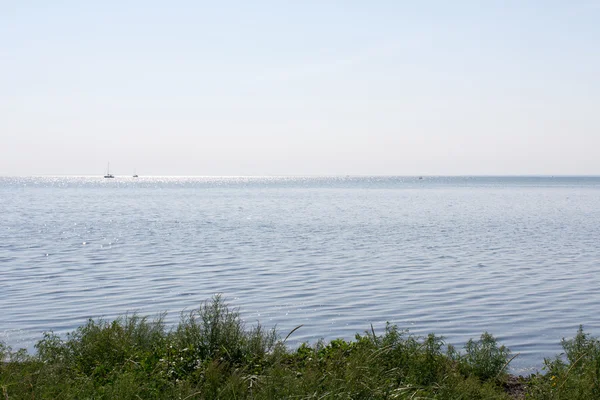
[456, 256]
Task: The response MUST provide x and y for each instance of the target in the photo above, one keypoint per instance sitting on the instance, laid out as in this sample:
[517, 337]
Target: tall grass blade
[292, 331]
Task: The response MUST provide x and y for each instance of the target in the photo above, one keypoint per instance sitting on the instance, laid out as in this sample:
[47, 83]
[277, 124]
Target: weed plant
[211, 354]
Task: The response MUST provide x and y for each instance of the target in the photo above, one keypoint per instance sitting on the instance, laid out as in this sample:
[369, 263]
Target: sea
[518, 257]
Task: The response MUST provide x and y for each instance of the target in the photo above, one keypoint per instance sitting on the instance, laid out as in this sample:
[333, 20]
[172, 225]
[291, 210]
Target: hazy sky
[311, 87]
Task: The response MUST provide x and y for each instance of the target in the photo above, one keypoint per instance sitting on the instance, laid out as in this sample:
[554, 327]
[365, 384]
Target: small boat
[108, 174]
[134, 174]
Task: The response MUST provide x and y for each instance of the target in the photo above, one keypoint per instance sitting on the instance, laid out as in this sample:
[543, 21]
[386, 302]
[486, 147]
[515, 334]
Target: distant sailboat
[134, 174]
[108, 174]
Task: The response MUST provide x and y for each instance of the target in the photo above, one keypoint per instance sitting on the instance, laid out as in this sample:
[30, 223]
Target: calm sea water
[518, 257]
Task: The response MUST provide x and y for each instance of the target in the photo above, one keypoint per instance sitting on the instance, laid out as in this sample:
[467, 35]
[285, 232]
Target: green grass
[211, 354]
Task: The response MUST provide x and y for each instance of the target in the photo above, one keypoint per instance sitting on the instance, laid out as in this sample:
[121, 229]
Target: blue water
[518, 257]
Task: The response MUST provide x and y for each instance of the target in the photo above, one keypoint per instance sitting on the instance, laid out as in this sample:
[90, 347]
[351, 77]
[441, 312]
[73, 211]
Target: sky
[312, 87]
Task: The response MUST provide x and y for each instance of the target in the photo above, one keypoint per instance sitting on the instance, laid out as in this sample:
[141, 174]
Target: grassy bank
[211, 354]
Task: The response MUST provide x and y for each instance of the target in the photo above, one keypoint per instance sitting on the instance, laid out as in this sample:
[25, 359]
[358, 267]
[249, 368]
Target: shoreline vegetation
[212, 354]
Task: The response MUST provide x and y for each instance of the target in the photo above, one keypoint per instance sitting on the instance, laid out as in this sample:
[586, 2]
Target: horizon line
[314, 176]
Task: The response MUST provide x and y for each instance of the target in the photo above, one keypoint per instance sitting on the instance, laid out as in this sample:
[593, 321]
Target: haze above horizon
[309, 88]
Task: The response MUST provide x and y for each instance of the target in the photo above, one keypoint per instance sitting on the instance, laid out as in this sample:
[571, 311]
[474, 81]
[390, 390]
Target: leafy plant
[484, 358]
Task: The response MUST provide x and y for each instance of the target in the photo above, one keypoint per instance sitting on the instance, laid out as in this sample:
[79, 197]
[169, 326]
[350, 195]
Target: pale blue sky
[300, 88]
